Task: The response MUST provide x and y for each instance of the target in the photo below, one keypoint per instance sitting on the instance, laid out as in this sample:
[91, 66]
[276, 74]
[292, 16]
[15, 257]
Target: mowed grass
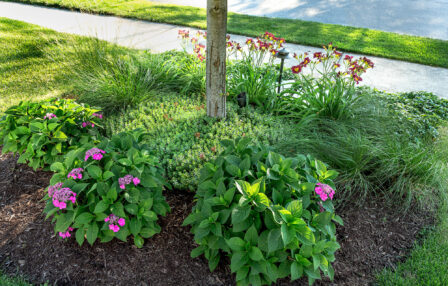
[26, 71]
[359, 40]
[428, 262]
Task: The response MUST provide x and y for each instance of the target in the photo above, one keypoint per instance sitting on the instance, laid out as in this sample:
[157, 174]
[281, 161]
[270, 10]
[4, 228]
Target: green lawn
[427, 264]
[360, 40]
[26, 71]
[6, 280]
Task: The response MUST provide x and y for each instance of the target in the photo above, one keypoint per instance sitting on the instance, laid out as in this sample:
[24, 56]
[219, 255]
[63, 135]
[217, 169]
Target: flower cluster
[66, 234]
[85, 124]
[184, 34]
[115, 222]
[126, 180]
[60, 196]
[95, 153]
[330, 60]
[324, 191]
[76, 173]
[98, 115]
[49, 116]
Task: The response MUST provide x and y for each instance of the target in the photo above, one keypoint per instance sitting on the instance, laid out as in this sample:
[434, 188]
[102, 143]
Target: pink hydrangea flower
[114, 221]
[60, 196]
[126, 180]
[67, 233]
[75, 173]
[85, 124]
[49, 116]
[324, 191]
[95, 153]
[100, 116]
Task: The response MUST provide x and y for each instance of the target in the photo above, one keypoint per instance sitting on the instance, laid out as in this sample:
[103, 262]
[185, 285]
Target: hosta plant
[43, 132]
[272, 216]
[111, 190]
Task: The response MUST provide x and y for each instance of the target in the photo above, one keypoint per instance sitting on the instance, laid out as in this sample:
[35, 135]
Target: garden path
[388, 75]
[413, 17]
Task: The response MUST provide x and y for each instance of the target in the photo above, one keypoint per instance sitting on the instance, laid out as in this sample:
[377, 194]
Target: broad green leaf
[84, 218]
[238, 260]
[100, 207]
[80, 233]
[138, 241]
[94, 171]
[295, 207]
[92, 233]
[236, 243]
[255, 254]
[275, 240]
[251, 235]
[135, 225]
[239, 214]
[296, 271]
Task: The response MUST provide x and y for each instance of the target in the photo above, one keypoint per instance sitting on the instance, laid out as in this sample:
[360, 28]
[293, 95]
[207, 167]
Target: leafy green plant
[272, 216]
[184, 138]
[106, 191]
[42, 133]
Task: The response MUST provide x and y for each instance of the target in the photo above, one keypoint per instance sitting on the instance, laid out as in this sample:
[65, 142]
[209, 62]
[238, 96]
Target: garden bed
[373, 237]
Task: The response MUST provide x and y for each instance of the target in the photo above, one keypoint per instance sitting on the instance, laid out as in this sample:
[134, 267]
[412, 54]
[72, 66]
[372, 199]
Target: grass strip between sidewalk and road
[415, 49]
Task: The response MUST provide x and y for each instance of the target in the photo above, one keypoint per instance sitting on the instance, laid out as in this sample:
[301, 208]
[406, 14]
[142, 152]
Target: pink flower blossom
[324, 191]
[95, 153]
[67, 233]
[61, 195]
[84, 124]
[49, 116]
[100, 116]
[136, 181]
[75, 173]
[113, 220]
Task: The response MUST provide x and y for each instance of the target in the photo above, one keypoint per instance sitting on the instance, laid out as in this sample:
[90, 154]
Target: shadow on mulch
[373, 237]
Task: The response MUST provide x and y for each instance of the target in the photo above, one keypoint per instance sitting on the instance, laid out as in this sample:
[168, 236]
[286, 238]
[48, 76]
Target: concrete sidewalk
[388, 75]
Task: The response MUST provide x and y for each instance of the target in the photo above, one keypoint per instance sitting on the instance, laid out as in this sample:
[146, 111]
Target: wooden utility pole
[216, 58]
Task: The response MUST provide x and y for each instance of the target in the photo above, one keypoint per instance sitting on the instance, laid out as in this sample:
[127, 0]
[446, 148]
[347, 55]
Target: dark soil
[373, 237]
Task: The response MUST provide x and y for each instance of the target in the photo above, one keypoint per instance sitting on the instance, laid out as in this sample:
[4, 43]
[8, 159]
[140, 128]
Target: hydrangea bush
[111, 190]
[42, 133]
[272, 216]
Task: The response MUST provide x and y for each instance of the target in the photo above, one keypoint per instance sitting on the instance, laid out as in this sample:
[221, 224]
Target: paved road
[389, 75]
[428, 18]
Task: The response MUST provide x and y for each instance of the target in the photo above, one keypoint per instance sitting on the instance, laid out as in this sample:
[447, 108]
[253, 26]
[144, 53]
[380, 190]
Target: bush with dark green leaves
[43, 132]
[424, 110]
[184, 138]
[272, 216]
[106, 191]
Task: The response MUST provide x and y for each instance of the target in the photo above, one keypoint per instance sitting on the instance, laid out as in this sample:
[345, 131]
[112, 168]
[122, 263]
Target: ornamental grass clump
[111, 190]
[272, 216]
[42, 133]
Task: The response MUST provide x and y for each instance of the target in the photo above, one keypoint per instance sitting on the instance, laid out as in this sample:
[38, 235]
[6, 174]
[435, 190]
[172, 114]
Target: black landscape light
[281, 54]
[242, 99]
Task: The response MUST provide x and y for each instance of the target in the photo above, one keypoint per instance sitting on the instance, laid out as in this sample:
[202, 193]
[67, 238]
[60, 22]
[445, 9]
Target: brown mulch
[373, 237]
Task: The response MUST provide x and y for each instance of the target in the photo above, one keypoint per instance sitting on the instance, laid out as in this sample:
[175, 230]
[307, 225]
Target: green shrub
[113, 189]
[184, 137]
[42, 133]
[376, 152]
[424, 110]
[263, 211]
